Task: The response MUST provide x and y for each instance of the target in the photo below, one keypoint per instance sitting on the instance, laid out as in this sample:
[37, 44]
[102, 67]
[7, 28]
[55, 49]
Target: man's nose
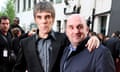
[76, 30]
[43, 20]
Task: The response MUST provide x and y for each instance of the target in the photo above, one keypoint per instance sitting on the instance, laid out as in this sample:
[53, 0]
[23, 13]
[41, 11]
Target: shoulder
[103, 59]
[27, 39]
[60, 36]
[101, 49]
[102, 52]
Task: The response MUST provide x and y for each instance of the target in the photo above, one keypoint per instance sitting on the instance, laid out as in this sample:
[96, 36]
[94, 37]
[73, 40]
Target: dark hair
[44, 6]
[117, 33]
[16, 18]
[4, 18]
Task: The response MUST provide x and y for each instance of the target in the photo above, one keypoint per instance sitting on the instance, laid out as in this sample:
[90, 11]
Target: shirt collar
[51, 35]
[80, 46]
[71, 48]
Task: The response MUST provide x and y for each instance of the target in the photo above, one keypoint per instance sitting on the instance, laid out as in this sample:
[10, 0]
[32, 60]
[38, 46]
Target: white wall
[86, 10]
[103, 5]
[26, 19]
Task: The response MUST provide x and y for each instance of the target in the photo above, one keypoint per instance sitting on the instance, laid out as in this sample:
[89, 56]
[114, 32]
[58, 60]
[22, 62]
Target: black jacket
[5, 45]
[28, 57]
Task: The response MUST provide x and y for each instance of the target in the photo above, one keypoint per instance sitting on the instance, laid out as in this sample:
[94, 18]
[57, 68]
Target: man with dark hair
[15, 24]
[5, 45]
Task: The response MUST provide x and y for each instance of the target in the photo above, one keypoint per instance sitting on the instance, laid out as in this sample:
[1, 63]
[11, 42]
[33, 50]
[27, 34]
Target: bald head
[76, 17]
[76, 29]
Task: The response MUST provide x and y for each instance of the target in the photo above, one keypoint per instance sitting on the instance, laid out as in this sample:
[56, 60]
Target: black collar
[51, 35]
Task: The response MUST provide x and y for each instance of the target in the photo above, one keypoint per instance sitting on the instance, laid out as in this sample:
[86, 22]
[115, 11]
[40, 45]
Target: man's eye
[47, 17]
[79, 27]
[71, 27]
[39, 17]
[4, 23]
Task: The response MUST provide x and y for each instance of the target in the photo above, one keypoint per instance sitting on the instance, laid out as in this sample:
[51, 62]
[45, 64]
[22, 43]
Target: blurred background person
[113, 43]
[16, 32]
[101, 37]
[92, 34]
[17, 36]
[15, 24]
[5, 45]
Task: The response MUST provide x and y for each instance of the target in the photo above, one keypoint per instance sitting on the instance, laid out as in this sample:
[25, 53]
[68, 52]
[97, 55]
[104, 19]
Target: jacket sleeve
[20, 65]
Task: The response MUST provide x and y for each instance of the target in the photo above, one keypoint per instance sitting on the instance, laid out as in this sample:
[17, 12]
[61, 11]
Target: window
[24, 5]
[51, 1]
[64, 26]
[58, 1]
[18, 6]
[29, 4]
[35, 1]
[59, 25]
[65, 21]
[103, 24]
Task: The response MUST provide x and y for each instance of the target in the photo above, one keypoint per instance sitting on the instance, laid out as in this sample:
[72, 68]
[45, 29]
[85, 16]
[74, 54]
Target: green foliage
[9, 10]
[2, 13]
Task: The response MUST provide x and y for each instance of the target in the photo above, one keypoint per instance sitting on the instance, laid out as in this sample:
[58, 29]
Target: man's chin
[78, 40]
[45, 32]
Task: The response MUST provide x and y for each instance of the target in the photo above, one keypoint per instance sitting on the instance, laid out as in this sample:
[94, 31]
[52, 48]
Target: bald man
[76, 57]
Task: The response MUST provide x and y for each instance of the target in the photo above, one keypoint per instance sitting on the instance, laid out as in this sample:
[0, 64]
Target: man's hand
[93, 43]
[30, 33]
